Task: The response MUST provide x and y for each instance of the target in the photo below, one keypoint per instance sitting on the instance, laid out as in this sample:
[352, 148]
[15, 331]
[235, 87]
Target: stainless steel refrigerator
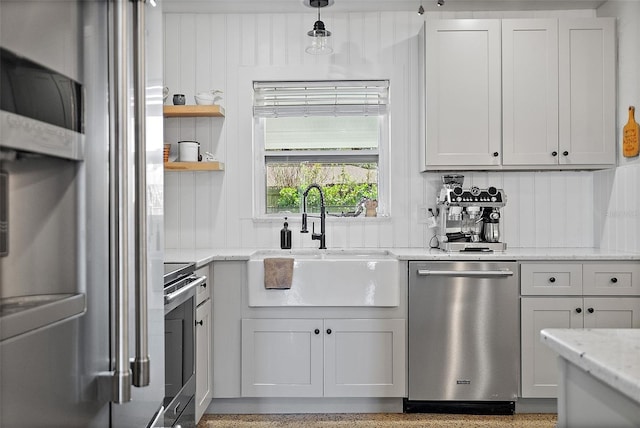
[81, 214]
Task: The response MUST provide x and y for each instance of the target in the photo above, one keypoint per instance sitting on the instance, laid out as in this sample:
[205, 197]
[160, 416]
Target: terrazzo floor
[386, 420]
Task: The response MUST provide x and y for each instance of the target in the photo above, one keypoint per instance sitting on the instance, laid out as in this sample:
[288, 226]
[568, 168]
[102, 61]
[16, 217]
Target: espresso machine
[468, 219]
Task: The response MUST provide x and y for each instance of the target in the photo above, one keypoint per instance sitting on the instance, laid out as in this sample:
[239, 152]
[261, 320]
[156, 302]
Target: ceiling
[297, 6]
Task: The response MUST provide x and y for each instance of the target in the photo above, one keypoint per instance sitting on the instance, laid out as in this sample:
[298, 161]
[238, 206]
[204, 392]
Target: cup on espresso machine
[491, 229]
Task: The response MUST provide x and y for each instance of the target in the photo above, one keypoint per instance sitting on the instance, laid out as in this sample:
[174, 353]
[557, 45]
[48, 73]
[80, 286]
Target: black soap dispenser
[285, 236]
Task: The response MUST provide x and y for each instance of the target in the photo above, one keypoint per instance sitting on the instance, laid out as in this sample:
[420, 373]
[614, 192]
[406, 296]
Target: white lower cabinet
[539, 363]
[204, 363]
[364, 358]
[323, 357]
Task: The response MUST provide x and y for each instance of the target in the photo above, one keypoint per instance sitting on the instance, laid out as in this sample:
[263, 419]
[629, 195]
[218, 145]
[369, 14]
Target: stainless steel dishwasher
[463, 337]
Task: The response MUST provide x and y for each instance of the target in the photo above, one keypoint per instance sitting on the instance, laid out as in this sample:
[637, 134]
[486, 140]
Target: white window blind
[320, 98]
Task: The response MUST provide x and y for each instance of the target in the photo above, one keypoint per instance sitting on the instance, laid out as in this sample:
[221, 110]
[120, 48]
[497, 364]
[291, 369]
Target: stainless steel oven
[179, 329]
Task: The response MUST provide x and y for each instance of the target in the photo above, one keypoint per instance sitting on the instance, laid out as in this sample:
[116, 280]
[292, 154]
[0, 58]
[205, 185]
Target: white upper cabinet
[519, 93]
[587, 91]
[463, 92]
[530, 91]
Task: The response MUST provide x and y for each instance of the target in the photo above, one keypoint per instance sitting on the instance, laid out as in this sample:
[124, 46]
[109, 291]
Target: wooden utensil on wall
[630, 136]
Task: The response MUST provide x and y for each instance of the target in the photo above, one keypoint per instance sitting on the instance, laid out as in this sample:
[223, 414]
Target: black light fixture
[440, 3]
[421, 9]
[320, 42]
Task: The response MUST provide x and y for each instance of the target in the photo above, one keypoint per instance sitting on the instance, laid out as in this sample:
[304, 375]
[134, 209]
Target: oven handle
[193, 284]
[468, 273]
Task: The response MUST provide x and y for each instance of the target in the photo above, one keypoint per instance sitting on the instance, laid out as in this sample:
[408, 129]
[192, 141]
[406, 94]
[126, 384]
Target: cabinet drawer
[551, 278]
[610, 279]
[203, 292]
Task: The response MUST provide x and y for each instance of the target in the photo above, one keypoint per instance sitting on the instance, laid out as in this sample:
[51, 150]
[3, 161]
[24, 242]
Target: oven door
[180, 384]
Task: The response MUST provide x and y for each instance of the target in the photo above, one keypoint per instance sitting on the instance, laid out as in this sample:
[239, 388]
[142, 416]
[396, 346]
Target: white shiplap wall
[214, 209]
[616, 194]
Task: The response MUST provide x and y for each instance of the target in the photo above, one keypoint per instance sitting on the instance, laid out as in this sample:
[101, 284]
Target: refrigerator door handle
[120, 197]
[140, 364]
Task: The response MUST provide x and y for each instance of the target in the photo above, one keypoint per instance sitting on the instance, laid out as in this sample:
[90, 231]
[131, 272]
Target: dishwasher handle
[501, 273]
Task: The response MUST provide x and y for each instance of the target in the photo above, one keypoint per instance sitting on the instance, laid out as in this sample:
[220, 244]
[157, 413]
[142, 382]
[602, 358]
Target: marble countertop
[206, 255]
[610, 355]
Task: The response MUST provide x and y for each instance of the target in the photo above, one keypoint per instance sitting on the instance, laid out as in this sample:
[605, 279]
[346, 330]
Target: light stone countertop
[206, 255]
[610, 355]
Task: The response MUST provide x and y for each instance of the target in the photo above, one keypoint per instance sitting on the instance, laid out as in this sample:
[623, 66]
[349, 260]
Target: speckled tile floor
[386, 420]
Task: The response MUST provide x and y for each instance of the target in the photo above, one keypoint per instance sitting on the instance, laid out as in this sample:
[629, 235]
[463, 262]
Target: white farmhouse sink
[329, 278]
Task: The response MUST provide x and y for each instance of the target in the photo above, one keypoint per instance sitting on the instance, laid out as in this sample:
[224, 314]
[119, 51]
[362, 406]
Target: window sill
[296, 218]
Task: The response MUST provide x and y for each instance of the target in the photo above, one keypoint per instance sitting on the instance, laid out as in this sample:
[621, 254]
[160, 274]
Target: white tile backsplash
[214, 209]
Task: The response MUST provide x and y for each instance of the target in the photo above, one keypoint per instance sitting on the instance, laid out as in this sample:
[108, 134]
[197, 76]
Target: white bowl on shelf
[207, 97]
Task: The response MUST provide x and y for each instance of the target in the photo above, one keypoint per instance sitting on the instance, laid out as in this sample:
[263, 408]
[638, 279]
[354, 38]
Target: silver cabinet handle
[140, 365]
[466, 273]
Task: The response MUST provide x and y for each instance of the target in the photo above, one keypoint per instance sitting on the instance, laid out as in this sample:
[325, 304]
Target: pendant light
[320, 41]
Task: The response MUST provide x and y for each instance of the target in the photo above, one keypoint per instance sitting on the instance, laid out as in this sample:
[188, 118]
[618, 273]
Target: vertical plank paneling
[171, 213]
[510, 219]
[235, 42]
[599, 178]
[634, 206]
[526, 210]
[187, 57]
[356, 39]
[206, 51]
[295, 38]
[246, 34]
[279, 40]
[371, 37]
[186, 215]
[264, 39]
[341, 43]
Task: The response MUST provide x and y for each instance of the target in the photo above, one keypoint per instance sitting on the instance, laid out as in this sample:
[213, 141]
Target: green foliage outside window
[342, 191]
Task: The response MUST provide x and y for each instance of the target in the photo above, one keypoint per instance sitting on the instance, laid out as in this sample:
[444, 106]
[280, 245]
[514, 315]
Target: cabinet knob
[328, 331]
[614, 279]
[200, 322]
[590, 310]
[496, 154]
[554, 153]
[552, 279]
[316, 331]
[579, 310]
[565, 153]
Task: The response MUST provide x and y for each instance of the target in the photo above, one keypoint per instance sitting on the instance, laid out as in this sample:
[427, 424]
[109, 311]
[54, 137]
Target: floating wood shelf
[194, 166]
[193, 111]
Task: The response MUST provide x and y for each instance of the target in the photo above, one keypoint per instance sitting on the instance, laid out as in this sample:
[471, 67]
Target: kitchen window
[333, 133]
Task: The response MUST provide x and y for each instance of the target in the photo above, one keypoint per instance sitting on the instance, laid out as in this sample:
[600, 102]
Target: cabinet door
[609, 279]
[539, 362]
[204, 362]
[612, 312]
[587, 87]
[364, 358]
[530, 91]
[281, 358]
[463, 101]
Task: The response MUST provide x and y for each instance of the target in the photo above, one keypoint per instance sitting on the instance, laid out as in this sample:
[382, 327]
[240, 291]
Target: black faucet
[314, 236]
